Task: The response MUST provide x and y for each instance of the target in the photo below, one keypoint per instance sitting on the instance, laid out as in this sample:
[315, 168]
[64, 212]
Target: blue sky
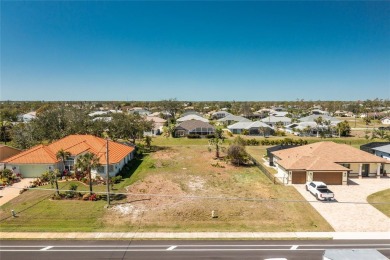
[118, 50]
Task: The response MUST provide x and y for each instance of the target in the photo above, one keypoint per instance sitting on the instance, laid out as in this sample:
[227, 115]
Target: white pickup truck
[319, 190]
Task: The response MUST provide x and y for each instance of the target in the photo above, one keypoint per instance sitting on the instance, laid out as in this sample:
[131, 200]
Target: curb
[195, 235]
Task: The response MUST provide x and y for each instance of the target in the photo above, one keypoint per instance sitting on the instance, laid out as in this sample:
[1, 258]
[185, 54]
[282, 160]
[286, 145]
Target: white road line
[178, 250]
[294, 248]
[184, 245]
[171, 248]
[46, 248]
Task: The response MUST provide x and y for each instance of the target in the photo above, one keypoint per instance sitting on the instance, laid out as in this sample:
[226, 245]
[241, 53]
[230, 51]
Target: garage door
[330, 178]
[298, 177]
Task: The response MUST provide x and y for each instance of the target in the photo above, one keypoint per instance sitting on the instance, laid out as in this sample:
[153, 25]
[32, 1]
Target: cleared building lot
[351, 213]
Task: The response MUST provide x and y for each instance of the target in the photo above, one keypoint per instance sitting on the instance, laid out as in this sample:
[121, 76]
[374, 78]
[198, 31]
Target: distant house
[328, 162]
[230, 119]
[139, 111]
[27, 117]
[312, 118]
[220, 114]
[98, 113]
[191, 112]
[253, 128]
[385, 121]
[191, 117]
[158, 125]
[279, 113]
[193, 127]
[342, 113]
[319, 112]
[302, 128]
[272, 121]
[8, 151]
[41, 158]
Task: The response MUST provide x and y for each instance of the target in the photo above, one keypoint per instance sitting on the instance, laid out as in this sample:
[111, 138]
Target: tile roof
[323, 156]
[192, 124]
[234, 118]
[276, 119]
[75, 145]
[192, 117]
[248, 125]
[311, 118]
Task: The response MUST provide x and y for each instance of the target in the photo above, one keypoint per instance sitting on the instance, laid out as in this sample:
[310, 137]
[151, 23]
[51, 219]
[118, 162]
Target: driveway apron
[351, 212]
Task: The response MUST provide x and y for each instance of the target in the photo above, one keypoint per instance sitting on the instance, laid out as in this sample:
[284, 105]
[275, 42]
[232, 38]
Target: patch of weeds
[217, 165]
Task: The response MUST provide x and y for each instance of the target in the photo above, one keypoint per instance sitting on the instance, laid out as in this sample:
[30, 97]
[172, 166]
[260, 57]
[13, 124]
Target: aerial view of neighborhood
[195, 130]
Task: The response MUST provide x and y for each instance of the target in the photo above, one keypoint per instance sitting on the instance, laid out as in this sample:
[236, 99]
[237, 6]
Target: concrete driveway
[347, 214]
[8, 193]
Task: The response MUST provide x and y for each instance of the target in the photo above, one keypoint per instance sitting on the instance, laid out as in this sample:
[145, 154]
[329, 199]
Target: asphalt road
[174, 249]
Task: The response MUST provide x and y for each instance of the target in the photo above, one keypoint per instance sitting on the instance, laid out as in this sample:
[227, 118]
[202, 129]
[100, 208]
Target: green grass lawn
[164, 141]
[36, 212]
[381, 197]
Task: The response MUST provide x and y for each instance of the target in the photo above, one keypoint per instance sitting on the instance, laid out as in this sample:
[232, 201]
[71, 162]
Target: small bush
[86, 196]
[252, 142]
[193, 136]
[116, 179]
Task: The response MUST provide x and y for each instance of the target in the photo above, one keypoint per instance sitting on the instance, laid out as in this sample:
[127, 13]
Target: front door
[365, 170]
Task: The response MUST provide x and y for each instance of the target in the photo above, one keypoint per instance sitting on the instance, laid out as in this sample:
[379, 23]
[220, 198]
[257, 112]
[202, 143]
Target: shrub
[193, 136]
[116, 179]
[279, 133]
[237, 154]
[72, 191]
[86, 196]
[93, 197]
[252, 142]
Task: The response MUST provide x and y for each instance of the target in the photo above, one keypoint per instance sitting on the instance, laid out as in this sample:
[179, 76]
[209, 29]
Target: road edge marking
[46, 248]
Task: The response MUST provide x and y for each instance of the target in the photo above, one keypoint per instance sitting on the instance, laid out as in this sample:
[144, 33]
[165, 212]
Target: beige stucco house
[329, 162]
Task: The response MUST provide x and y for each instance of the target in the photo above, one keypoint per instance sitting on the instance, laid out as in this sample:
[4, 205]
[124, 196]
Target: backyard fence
[263, 169]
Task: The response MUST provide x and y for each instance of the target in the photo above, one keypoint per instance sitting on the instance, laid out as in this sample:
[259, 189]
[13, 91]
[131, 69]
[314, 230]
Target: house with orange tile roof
[7, 151]
[41, 158]
[328, 162]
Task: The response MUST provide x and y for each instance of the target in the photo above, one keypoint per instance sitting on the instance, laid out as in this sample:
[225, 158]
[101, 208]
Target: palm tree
[148, 142]
[217, 141]
[5, 127]
[63, 156]
[319, 122]
[86, 163]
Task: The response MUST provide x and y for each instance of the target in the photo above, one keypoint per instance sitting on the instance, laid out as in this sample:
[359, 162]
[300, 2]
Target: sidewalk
[195, 235]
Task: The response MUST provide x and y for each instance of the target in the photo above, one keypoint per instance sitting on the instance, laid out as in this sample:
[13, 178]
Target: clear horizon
[195, 51]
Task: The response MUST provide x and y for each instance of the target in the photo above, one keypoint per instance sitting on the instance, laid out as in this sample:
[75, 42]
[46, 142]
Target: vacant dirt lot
[182, 185]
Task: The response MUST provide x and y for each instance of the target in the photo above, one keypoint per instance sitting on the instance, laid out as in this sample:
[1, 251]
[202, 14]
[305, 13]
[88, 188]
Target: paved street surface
[181, 249]
[357, 216]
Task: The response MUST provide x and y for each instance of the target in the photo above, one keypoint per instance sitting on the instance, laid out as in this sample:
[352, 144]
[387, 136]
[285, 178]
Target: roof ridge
[83, 141]
[50, 152]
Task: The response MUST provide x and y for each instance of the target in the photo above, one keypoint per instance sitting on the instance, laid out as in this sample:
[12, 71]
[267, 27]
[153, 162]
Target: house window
[346, 165]
[69, 164]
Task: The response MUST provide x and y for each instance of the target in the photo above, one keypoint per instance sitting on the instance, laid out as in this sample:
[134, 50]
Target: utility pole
[107, 174]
